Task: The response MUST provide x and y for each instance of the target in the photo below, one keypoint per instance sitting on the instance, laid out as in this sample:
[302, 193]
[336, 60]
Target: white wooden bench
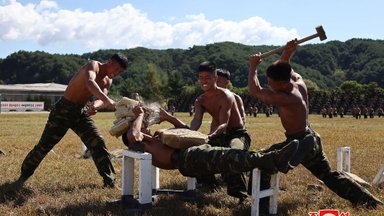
[149, 179]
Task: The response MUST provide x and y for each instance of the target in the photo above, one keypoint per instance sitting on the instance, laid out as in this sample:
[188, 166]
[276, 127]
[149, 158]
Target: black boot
[305, 146]
[277, 160]
[373, 203]
[369, 202]
[285, 155]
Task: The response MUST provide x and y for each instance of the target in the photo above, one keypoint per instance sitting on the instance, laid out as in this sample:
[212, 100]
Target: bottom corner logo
[329, 212]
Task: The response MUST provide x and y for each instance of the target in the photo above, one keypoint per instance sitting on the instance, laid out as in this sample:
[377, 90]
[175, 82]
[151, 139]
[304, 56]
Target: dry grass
[66, 185]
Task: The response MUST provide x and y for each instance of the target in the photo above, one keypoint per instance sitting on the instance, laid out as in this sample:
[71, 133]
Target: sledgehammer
[319, 33]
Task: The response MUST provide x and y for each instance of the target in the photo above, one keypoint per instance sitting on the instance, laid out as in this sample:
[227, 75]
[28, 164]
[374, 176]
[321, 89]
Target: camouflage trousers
[317, 163]
[63, 116]
[199, 161]
[235, 139]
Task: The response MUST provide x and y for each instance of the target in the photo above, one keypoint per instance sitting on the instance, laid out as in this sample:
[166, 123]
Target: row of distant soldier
[356, 112]
[254, 110]
[251, 111]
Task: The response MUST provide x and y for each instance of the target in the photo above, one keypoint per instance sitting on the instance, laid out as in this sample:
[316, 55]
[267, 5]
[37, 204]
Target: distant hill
[168, 71]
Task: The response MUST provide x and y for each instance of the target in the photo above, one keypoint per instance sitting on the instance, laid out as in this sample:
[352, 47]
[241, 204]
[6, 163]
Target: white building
[50, 92]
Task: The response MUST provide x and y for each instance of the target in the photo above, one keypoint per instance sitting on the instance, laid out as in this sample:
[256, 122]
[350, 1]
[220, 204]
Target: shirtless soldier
[93, 79]
[227, 126]
[289, 94]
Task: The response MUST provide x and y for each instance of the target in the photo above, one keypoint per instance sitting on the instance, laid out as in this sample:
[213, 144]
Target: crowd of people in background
[327, 111]
[253, 110]
[341, 105]
[356, 111]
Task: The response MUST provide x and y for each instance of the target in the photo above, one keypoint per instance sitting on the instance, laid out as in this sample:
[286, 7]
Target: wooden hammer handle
[319, 33]
[271, 52]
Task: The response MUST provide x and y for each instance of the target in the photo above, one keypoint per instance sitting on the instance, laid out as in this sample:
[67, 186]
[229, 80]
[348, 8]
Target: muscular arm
[177, 123]
[290, 48]
[240, 106]
[134, 132]
[286, 56]
[198, 117]
[98, 104]
[254, 87]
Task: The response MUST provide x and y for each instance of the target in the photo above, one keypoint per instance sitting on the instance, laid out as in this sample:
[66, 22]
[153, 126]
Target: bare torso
[294, 116]
[161, 154]
[77, 90]
[214, 102]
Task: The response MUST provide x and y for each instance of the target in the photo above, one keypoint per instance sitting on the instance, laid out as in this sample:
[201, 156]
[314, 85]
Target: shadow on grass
[167, 205]
[175, 185]
[216, 199]
[14, 192]
[206, 204]
[93, 208]
[205, 199]
[104, 208]
[69, 189]
[284, 207]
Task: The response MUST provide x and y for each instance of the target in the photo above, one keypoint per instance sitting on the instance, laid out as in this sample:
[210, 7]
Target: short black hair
[279, 71]
[121, 59]
[207, 66]
[223, 73]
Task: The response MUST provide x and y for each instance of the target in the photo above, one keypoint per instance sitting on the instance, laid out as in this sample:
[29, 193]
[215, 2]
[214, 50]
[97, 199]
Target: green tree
[152, 84]
[175, 84]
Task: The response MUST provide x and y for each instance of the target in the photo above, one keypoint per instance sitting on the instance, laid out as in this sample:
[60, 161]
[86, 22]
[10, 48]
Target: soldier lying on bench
[197, 161]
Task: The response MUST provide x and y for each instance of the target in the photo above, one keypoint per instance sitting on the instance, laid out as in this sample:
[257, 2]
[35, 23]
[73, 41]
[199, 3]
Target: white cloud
[46, 5]
[126, 27]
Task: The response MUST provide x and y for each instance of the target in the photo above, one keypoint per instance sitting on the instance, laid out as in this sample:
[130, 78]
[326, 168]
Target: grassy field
[65, 184]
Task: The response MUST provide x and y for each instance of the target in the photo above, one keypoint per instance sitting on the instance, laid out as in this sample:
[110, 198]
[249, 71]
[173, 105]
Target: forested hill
[166, 72]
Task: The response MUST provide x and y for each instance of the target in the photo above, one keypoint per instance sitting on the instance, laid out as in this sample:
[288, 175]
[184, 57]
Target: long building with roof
[49, 92]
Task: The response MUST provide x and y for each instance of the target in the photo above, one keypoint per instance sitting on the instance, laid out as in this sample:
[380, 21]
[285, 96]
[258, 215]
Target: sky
[80, 26]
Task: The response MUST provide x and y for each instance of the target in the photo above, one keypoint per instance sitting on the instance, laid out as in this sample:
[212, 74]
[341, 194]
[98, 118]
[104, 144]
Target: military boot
[368, 201]
[277, 159]
[305, 147]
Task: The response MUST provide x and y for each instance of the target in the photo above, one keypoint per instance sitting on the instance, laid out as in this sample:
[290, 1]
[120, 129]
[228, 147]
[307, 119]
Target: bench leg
[191, 183]
[273, 200]
[255, 192]
[145, 182]
[128, 176]
[155, 178]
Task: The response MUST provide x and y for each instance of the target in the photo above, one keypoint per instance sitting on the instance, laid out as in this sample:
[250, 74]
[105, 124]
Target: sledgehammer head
[321, 33]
